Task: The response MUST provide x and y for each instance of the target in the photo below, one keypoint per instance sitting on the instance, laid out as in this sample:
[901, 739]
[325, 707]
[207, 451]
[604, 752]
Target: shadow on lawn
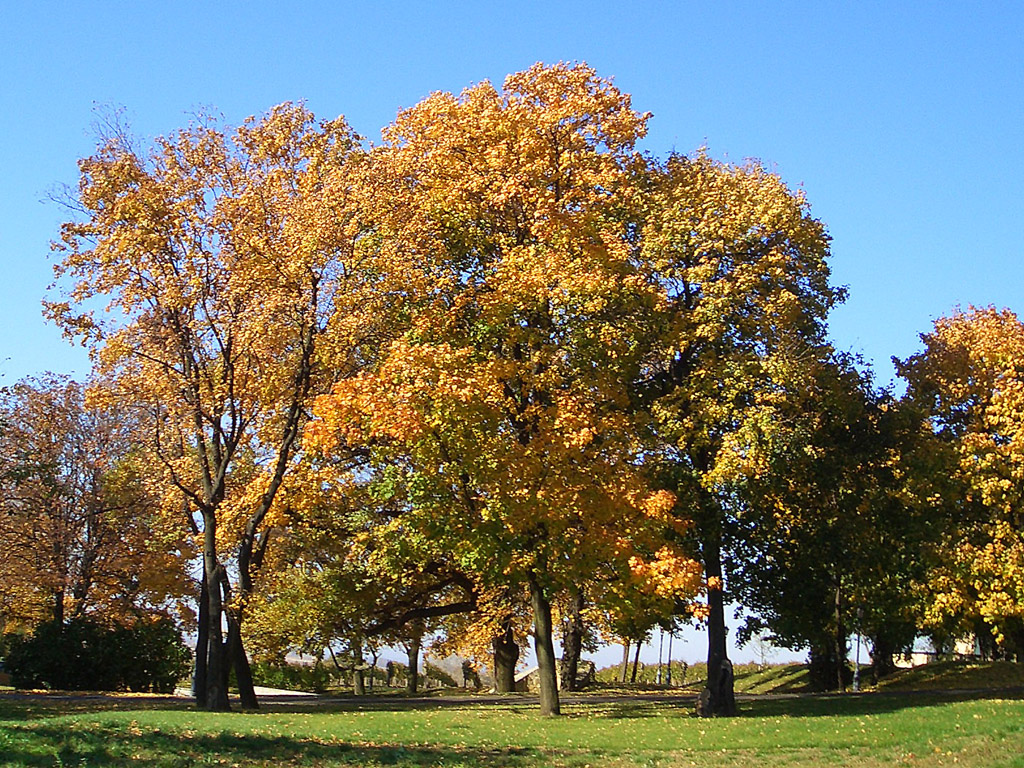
[831, 705]
[44, 745]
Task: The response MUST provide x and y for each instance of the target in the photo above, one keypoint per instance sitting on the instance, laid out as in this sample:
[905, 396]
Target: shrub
[84, 655]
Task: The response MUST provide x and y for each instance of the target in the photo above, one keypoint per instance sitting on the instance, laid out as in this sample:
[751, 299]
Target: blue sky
[903, 122]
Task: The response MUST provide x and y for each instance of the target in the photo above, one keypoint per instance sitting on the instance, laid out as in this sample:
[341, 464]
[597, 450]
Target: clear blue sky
[903, 122]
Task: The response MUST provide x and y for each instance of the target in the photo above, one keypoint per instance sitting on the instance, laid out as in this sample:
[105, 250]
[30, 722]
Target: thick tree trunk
[825, 667]
[216, 665]
[202, 646]
[636, 661]
[506, 656]
[882, 663]
[572, 642]
[544, 647]
[58, 607]
[719, 695]
[625, 661]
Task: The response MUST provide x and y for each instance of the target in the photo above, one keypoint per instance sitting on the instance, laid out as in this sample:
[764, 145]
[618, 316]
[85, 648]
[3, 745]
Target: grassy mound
[957, 675]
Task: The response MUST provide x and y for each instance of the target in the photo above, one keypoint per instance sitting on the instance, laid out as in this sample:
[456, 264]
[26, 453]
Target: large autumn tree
[969, 379]
[504, 215]
[80, 532]
[202, 274]
[742, 269]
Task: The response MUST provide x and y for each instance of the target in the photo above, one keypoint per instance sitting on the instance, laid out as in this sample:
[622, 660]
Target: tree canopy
[500, 369]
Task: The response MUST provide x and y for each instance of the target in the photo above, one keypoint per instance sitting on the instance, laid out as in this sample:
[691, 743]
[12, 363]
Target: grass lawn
[869, 730]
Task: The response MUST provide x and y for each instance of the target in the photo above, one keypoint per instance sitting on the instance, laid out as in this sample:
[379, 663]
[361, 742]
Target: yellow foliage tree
[80, 531]
[223, 259]
[970, 379]
[501, 219]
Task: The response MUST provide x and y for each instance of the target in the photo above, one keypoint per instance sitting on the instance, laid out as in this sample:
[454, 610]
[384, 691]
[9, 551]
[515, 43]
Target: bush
[83, 655]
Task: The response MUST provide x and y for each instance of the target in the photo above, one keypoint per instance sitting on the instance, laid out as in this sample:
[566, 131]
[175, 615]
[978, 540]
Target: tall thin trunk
[572, 642]
[661, 647]
[506, 656]
[412, 680]
[636, 661]
[668, 672]
[373, 665]
[544, 647]
[840, 641]
[58, 607]
[720, 693]
[625, 660]
[202, 646]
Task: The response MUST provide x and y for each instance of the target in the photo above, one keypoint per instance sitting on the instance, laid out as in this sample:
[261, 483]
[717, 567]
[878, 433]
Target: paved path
[277, 698]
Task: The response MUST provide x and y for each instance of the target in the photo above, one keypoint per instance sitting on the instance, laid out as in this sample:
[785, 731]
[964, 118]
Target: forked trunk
[216, 664]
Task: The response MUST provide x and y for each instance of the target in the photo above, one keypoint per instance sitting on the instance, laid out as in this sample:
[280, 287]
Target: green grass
[869, 730]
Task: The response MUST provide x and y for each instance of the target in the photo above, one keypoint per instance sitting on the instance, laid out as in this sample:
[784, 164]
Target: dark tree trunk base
[506, 656]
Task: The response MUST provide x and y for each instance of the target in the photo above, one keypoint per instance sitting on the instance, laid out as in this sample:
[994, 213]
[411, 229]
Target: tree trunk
[506, 656]
[572, 642]
[216, 665]
[668, 672]
[373, 664]
[202, 646]
[358, 682]
[625, 660]
[721, 700]
[412, 680]
[240, 663]
[636, 661]
[840, 641]
[882, 652]
[58, 607]
[544, 647]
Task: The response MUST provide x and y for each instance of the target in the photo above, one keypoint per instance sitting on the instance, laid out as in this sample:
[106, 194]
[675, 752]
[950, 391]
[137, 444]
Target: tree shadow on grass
[802, 705]
[830, 705]
[43, 745]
